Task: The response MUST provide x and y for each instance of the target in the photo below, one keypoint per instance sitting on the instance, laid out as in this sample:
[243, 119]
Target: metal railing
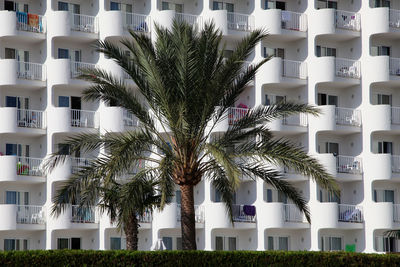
[84, 23]
[240, 22]
[31, 71]
[83, 214]
[347, 68]
[395, 115]
[129, 119]
[145, 217]
[396, 212]
[348, 20]
[294, 69]
[83, 118]
[76, 68]
[291, 213]
[296, 120]
[78, 164]
[350, 213]
[294, 21]
[198, 213]
[235, 114]
[189, 19]
[31, 118]
[348, 116]
[395, 163]
[29, 166]
[348, 164]
[137, 22]
[394, 18]
[239, 214]
[394, 66]
[30, 214]
[30, 22]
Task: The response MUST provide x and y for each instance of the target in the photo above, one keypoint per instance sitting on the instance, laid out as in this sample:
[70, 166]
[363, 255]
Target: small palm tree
[185, 88]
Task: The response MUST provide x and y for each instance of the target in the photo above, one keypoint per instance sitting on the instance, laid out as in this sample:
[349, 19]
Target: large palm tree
[184, 89]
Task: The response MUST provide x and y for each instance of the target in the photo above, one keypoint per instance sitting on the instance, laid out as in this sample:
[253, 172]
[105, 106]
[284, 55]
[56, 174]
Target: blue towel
[249, 210]
[22, 17]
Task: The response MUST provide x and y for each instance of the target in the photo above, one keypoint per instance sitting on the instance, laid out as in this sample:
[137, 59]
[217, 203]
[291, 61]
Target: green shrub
[193, 258]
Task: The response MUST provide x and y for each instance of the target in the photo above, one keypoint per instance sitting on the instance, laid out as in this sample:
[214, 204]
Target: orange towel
[33, 20]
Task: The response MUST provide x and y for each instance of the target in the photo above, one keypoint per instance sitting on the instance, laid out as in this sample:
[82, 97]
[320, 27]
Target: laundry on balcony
[243, 213]
[249, 210]
[350, 215]
[142, 27]
[22, 169]
[29, 22]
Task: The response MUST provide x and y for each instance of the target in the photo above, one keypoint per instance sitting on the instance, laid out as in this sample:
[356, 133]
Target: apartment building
[341, 55]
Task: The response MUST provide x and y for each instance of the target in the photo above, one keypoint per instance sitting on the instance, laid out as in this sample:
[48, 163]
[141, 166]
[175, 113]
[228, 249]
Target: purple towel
[249, 210]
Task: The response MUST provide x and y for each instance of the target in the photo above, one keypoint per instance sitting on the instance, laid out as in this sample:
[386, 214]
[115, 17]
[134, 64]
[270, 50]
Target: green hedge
[193, 258]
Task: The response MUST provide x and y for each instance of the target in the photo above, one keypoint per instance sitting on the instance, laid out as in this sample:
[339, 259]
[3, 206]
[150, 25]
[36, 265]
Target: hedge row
[193, 258]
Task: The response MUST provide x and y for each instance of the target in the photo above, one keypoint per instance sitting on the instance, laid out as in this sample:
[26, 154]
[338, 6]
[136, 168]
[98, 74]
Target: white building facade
[339, 55]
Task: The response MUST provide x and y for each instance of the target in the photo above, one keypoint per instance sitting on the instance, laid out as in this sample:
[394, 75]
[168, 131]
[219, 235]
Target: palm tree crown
[184, 90]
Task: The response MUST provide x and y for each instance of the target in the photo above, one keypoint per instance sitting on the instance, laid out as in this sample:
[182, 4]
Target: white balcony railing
[30, 22]
[240, 22]
[395, 118]
[394, 18]
[395, 163]
[235, 114]
[348, 116]
[77, 67]
[29, 214]
[198, 213]
[31, 119]
[137, 22]
[350, 213]
[83, 214]
[130, 120]
[291, 213]
[296, 120]
[83, 118]
[146, 217]
[29, 166]
[294, 21]
[348, 20]
[294, 69]
[396, 212]
[78, 164]
[347, 68]
[394, 66]
[84, 23]
[348, 164]
[240, 215]
[31, 71]
[189, 19]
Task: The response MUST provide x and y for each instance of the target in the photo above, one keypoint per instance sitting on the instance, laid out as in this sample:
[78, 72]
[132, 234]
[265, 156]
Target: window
[326, 4]
[384, 195]
[380, 50]
[325, 99]
[63, 53]
[15, 244]
[325, 51]
[63, 149]
[115, 243]
[275, 52]
[9, 53]
[332, 148]
[273, 99]
[326, 196]
[381, 99]
[62, 6]
[382, 3]
[62, 243]
[179, 243]
[178, 196]
[385, 147]
[171, 6]
[218, 196]
[115, 6]
[385, 244]
[63, 101]
[225, 243]
[278, 243]
[330, 243]
[221, 6]
[268, 4]
[69, 243]
[167, 242]
[274, 195]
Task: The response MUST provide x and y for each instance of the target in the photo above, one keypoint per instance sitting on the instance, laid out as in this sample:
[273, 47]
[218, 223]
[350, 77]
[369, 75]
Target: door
[76, 111]
[62, 243]
[178, 197]
[219, 243]
[385, 147]
[75, 243]
[115, 6]
[280, 5]
[332, 148]
[76, 102]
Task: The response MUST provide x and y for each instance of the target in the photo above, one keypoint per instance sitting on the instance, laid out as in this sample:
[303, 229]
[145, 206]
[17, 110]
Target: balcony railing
[83, 214]
[348, 20]
[79, 164]
[396, 212]
[394, 66]
[347, 68]
[189, 19]
[31, 119]
[130, 120]
[240, 22]
[348, 116]
[244, 213]
[30, 22]
[294, 69]
[29, 166]
[137, 22]
[394, 18]
[348, 164]
[291, 213]
[235, 114]
[83, 118]
[296, 120]
[29, 214]
[146, 217]
[84, 23]
[77, 67]
[31, 71]
[198, 213]
[350, 213]
[395, 163]
[294, 21]
[395, 118]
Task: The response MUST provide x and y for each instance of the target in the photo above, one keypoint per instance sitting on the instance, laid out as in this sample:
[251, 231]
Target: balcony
[75, 217]
[244, 216]
[116, 119]
[21, 169]
[338, 216]
[77, 67]
[122, 22]
[79, 164]
[190, 19]
[349, 165]
[291, 124]
[64, 71]
[385, 215]
[292, 214]
[64, 120]
[341, 120]
[244, 213]
[22, 217]
[396, 213]
[31, 122]
[82, 214]
[23, 25]
[198, 213]
[277, 215]
[84, 23]
[26, 75]
[343, 168]
[350, 213]
[78, 26]
[339, 72]
[233, 115]
[230, 23]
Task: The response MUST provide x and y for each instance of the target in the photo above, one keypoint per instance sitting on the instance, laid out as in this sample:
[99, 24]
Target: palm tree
[184, 89]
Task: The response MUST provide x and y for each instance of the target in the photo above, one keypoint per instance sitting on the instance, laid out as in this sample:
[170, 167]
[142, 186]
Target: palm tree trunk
[131, 233]
[188, 224]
